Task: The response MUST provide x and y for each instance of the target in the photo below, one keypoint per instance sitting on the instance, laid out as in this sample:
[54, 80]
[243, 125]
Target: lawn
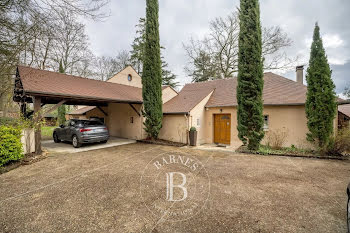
[46, 132]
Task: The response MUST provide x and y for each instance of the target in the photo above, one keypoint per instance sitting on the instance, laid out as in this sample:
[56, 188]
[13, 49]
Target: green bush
[193, 128]
[16, 131]
[10, 144]
[339, 144]
[16, 122]
[7, 121]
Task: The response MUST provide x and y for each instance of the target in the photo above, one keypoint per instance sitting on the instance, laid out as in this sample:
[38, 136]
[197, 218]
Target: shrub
[10, 144]
[339, 144]
[16, 122]
[276, 139]
[16, 131]
[8, 121]
[193, 128]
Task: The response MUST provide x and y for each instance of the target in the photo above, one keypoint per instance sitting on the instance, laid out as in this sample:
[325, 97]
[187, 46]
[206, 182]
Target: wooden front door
[222, 128]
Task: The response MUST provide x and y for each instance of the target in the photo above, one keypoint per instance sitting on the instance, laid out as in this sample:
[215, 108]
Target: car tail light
[105, 128]
[84, 130]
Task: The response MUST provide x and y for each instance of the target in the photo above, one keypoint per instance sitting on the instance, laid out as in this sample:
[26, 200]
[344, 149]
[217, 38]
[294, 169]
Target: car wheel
[105, 141]
[75, 141]
[55, 138]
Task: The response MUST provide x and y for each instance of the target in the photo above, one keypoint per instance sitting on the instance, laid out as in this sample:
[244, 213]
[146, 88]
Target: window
[131, 120]
[266, 122]
[92, 122]
[198, 122]
[129, 77]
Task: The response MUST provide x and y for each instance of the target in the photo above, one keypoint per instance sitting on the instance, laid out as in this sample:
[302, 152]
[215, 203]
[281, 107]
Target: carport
[42, 87]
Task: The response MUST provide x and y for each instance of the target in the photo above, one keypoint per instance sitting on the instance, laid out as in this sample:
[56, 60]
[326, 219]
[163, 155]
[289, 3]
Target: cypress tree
[320, 104]
[152, 72]
[250, 76]
[61, 112]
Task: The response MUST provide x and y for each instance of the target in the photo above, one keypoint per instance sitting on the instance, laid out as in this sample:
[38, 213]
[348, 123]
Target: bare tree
[122, 59]
[217, 53]
[28, 33]
[347, 92]
[71, 42]
[106, 67]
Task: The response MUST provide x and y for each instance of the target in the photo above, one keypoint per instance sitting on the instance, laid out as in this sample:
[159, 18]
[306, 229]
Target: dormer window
[129, 77]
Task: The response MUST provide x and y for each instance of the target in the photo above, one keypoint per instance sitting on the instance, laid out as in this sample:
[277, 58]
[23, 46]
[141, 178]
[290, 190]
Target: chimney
[300, 74]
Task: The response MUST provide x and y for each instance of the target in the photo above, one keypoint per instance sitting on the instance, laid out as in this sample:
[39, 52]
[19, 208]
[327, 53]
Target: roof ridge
[205, 82]
[287, 79]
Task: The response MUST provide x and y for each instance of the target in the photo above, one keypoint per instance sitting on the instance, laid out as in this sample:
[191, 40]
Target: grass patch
[287, 151]
[266, 150]
[46, 132]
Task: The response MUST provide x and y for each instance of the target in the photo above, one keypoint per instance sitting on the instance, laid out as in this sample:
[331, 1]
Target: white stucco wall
[197, 115]
[175, 128]
[291, 119]
[167, 94]
[119, 121]
[122, 78]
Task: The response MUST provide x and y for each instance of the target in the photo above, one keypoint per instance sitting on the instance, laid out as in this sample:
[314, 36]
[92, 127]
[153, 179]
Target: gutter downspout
[188, 123]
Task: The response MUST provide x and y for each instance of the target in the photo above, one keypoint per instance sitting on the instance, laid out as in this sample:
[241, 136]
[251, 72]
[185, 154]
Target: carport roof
[53, 87]
[345, 109]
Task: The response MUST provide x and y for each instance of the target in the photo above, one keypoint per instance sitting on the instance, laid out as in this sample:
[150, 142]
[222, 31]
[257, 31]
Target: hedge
[10, 144]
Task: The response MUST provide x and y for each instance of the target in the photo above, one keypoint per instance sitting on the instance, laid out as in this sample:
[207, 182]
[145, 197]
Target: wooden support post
[132, 106]
[37, 126]
[102, 110]
[53, 108]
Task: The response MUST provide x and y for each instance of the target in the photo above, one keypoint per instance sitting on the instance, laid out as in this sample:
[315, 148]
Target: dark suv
[81, 131]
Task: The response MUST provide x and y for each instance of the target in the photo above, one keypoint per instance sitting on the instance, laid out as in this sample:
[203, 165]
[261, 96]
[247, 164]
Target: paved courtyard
[66, 147]
[106, 190]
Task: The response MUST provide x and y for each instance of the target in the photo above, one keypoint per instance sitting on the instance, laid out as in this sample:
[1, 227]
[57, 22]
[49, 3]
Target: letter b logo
[170, 186]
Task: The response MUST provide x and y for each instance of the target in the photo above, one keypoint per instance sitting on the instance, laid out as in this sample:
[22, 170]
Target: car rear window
[82, 123]
[92, 123]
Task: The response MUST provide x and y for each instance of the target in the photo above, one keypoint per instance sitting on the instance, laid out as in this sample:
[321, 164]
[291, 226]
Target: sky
[181, 19]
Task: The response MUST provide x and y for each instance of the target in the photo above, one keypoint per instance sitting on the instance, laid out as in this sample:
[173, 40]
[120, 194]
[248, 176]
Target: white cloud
[332, 41]
[179, 20]
[337, 60]
[342, 96]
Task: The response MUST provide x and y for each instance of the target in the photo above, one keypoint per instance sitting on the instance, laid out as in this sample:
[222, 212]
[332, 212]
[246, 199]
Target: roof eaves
[175, 113]
[235, 105]
[342, 102]
[82, 97]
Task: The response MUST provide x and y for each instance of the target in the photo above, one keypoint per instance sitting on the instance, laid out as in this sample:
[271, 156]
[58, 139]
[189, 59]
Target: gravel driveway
[107, 190]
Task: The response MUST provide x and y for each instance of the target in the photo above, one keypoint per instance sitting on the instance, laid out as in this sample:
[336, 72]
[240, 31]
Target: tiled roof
[38, 82]
[82, 110]
[187, 99]
[277, 91]
[345, 109]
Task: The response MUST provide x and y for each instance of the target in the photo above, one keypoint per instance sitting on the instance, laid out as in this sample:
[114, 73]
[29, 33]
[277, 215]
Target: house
[210, 106]
[344, 116]
[128, 77]
[50, 119]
